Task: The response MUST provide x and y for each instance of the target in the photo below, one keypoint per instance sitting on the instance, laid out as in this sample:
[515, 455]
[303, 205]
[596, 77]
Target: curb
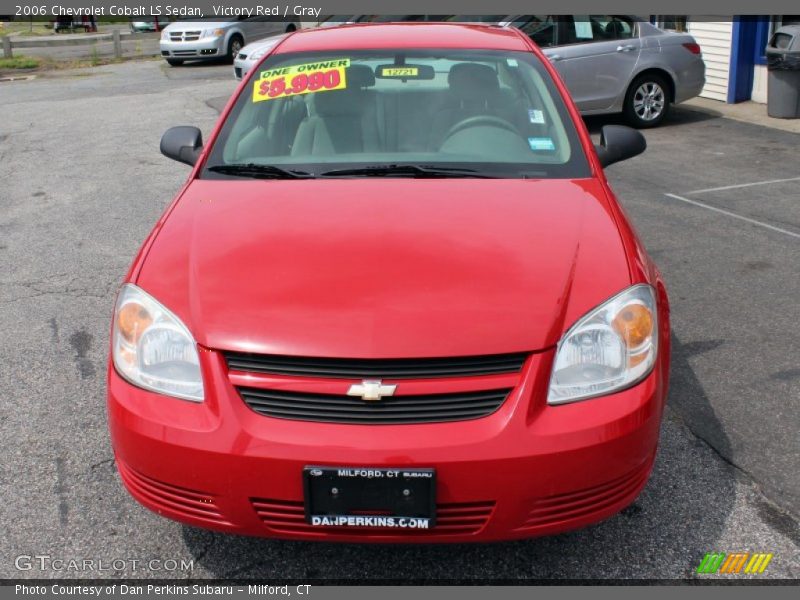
[744, 112]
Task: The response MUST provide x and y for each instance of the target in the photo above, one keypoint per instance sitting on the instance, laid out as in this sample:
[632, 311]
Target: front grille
[464, 518]
[184, 36]
[328, 408]
[392, 368]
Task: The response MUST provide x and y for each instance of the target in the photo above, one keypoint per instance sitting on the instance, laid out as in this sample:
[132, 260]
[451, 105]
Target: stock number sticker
[399, 72]
[308, 78]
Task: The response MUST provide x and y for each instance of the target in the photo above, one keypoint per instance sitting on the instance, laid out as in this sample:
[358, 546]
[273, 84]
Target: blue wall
[747, 49]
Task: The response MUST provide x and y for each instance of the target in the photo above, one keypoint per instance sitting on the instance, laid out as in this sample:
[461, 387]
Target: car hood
[264, 43]
[385, 268]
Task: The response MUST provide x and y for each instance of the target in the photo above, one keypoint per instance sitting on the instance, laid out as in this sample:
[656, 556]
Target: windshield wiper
[257, 171]
[419, 171]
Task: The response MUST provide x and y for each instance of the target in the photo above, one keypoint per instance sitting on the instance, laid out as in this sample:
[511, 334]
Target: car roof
[362, 36]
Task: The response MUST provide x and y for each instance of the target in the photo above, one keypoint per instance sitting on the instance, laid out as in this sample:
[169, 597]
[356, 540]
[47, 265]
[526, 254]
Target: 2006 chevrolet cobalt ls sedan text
[396, 300]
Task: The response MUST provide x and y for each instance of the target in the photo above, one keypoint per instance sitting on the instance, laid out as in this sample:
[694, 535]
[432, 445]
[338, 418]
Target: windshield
[483, 112]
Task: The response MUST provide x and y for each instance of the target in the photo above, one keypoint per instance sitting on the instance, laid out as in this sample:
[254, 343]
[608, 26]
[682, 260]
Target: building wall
[714, 37]
[759, 84]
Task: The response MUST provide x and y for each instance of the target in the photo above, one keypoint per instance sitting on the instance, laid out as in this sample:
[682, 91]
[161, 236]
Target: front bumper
[202, 49]
[242, 66]
[526, 470]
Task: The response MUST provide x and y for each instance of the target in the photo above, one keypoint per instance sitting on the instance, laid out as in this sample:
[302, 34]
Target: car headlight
[165, 35]
[611, 348]
[213, 33]
[151, 348]
[257, 54]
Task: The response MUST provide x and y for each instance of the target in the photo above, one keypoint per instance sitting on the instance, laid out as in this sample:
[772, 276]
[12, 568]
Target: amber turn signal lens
[132, 320]
[634, 324]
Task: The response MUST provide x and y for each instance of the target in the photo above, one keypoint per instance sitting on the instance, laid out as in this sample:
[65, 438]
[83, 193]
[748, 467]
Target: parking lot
[716, 201]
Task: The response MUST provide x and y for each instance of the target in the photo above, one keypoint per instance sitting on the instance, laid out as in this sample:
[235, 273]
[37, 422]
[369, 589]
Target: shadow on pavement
[678, 117]
[663, 534]
[196, 64]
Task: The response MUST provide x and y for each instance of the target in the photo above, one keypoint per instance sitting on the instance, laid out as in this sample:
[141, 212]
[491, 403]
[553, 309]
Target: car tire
[174, 62]
[291, 28]
[647, 101]
[234, 46]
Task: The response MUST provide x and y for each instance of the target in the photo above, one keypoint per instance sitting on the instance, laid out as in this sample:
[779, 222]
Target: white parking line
[742, 185]
[734, 215]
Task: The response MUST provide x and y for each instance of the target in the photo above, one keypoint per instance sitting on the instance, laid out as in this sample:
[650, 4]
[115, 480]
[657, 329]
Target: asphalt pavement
[82, 183]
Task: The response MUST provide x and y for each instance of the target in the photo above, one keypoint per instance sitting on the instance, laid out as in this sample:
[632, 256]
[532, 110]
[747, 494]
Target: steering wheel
[480, 120]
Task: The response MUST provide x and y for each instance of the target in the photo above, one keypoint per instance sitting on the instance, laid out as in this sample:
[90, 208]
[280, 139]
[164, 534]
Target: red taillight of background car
[692, 47]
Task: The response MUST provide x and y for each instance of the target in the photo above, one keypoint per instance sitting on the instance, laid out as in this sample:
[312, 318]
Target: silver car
[205, 39]
[251, 54]
[618, 64]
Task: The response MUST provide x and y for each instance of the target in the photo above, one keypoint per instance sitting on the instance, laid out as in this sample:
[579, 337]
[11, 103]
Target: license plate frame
[384, 497]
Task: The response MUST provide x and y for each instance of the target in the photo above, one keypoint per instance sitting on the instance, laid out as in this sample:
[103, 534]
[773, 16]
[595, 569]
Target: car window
[613, 27]
[488, 111]
[583, 29]
[540, 28]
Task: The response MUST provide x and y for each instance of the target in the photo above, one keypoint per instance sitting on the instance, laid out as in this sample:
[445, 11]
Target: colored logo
[736, 562]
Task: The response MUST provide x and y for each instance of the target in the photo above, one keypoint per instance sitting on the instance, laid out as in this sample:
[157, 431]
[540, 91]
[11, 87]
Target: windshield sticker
[536, 116]
[541, 143]
[583, 28]
[512, 62]
[399, 72]
[308, 78]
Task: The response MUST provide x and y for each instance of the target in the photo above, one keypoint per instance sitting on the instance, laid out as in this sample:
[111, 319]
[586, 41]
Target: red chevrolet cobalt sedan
[395, 301]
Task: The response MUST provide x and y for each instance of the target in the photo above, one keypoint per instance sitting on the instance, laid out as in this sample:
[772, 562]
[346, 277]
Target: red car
[395, 301]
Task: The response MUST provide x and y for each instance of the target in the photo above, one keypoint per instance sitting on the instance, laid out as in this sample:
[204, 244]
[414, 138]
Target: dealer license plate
[396, 498]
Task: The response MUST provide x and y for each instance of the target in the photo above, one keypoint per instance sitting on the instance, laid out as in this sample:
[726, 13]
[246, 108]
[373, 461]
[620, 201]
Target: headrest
[359, 76]
[348, 101]
[339, 103]
[614, 29]
[473, 79]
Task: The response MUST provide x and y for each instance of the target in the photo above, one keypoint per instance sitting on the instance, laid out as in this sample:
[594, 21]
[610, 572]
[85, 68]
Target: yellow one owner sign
[324, 76]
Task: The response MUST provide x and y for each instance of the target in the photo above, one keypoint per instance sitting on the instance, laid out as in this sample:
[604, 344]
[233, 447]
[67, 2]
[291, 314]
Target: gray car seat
[341, 121]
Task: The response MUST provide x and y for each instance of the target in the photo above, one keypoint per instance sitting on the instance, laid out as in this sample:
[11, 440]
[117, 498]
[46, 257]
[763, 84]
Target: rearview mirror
[617, 143]
[183, 144]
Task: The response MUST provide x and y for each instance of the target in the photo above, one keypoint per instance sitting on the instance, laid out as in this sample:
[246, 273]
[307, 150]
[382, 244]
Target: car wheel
[234, 46]
[174, 62]
[647, 101]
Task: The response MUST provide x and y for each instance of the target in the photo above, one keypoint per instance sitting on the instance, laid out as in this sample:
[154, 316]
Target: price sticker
[309, 78]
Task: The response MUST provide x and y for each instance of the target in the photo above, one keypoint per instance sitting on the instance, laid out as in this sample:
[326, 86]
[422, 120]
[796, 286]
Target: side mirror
[183, 144]
[618, 142]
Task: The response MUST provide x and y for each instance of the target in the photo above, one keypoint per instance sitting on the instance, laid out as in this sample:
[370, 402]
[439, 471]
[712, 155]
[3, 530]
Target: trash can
[783, 64]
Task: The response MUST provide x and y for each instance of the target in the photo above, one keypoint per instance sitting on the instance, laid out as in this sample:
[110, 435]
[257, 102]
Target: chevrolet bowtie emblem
[371, 390]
